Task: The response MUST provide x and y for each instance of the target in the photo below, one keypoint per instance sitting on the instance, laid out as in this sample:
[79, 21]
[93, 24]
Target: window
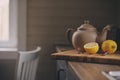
[12, 13]
[8, 24]
[4, 20]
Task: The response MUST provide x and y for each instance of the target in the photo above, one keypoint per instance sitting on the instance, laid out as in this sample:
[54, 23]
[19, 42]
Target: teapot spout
[102, 37]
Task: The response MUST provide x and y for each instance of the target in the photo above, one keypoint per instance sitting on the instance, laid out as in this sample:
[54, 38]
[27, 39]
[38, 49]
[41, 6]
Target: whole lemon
[91, 47]
[109, 46]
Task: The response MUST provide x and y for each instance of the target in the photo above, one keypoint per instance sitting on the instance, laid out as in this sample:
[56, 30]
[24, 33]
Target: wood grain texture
[90, 71]
[73, 55]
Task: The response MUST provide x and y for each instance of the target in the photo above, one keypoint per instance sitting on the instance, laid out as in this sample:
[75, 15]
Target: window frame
[22, 25]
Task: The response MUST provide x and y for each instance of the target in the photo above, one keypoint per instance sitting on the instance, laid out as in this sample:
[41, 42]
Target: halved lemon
[109, 46]
[91, 47]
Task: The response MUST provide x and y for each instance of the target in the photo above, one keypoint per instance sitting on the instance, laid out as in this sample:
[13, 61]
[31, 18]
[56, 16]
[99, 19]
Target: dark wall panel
[7, 69]
[118, 13]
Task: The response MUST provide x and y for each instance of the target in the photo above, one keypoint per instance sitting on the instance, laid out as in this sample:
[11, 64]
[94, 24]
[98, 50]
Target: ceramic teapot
[86, 33]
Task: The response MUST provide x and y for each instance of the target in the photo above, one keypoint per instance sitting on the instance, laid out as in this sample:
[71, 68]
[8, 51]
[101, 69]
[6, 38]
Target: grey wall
[48, 20]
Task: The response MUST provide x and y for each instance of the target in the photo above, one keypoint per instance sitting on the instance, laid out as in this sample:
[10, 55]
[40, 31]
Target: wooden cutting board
[72, 55]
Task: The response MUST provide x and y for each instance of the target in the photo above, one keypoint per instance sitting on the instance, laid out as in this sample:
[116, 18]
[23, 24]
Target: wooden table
[83, 71]
[90, 71]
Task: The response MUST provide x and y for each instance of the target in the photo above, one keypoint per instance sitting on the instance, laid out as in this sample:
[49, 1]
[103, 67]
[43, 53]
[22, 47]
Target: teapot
[86, 33]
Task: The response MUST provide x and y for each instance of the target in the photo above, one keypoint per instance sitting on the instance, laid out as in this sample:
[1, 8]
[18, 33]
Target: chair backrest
[27, 64]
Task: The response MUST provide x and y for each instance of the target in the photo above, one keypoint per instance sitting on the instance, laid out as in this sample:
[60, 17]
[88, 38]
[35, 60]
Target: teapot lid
[86, 25]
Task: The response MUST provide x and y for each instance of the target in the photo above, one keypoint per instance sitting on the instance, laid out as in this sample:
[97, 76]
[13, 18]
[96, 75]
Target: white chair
[27, 64]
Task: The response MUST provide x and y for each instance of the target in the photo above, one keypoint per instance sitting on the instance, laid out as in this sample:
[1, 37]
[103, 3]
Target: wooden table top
[89, 71]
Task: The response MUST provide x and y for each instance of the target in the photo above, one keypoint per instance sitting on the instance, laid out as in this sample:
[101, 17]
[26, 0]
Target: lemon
[91, 47]
[109, 46]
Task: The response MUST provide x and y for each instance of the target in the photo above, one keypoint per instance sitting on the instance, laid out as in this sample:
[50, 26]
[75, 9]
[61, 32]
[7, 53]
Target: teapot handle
[69, 33]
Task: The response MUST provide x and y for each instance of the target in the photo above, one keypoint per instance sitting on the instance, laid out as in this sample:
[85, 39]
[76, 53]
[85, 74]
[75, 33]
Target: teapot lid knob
[86, 21]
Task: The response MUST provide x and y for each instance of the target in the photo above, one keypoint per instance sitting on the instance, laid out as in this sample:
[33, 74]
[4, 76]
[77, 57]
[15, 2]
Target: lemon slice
[109, 46]
[91, 47]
